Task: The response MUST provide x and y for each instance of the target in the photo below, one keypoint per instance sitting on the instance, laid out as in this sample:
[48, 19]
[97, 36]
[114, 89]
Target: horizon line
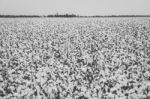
[70, 15]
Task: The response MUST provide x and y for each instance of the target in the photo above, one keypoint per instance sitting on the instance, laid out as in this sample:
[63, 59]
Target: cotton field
[75, 58]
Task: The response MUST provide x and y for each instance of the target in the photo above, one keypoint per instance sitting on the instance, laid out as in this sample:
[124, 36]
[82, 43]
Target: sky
[80, 7]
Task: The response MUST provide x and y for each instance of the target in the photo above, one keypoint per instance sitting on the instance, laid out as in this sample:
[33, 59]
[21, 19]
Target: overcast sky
[81, 7]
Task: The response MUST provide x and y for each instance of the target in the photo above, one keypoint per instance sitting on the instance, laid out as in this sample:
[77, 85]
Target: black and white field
[75, 58]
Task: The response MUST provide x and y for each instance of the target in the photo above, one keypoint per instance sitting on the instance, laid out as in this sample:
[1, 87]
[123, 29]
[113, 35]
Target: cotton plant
[97, 59]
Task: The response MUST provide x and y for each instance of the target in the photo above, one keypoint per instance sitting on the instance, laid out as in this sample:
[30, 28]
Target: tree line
[69, 15]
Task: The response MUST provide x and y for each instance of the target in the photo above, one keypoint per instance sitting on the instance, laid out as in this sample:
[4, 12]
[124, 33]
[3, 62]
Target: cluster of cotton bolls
[105, 58]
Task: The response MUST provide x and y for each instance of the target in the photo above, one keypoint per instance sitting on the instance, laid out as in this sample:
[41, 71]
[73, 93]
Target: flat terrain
[75, 58]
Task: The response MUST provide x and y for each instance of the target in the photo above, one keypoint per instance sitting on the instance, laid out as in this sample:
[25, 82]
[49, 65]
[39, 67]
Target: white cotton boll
[88, 93]
[87, 57]
[36, 57]
[51, 61]
[39, 96]
[60, 65]
[11, 71]
[69, 97]
[84, 89]
[17, 95]
[135, 96]
[84, 69]
[110, 95]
